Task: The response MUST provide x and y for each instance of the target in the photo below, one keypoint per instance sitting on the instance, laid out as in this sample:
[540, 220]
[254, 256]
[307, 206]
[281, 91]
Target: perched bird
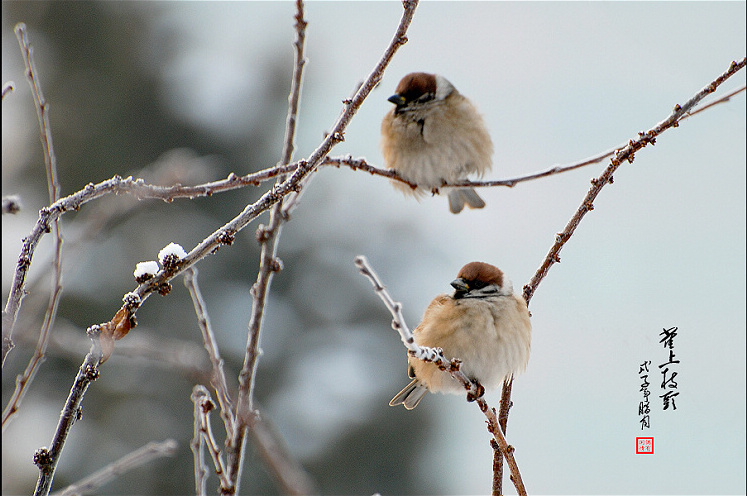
[434, 136]
[483, 323]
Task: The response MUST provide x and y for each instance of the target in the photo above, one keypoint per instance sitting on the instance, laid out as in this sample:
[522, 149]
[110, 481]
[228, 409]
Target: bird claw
[478, 394]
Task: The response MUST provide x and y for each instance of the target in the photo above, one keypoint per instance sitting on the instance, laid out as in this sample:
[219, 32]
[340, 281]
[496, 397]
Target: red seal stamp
[644, 446]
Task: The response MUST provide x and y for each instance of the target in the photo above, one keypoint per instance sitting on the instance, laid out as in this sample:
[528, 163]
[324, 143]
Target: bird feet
[478, 394]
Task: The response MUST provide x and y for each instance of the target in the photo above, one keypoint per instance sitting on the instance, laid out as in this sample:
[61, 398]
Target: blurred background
[190, 92]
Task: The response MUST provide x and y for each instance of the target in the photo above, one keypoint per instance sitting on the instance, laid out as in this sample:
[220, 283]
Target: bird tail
[410, 396]
[458, 197]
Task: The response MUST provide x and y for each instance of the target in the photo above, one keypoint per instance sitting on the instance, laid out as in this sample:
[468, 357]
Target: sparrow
[435, 136]
[483, 323]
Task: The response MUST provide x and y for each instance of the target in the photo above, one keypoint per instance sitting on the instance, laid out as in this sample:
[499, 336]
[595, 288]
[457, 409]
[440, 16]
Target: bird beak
[460, 285]
[398, 100]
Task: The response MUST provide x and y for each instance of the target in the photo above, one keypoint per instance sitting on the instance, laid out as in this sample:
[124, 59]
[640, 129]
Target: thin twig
[288, 473]
[503, 423]
[53, 187]
[203, 406]
[268, 238]
[496, 488]
[218, 379]
[24, 380]
[361, 164]
[398, 320]
[436, 356]
[504, 449]
[197, 446]
[139, 457]
[723, 99]
[42, 111]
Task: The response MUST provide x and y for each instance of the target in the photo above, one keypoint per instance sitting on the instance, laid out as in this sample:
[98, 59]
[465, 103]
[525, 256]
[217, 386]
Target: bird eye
[425, 97]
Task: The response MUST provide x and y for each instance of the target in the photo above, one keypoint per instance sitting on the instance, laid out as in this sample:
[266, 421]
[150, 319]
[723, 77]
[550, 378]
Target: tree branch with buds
[268, 237]
[46, 459]
[204, 437]
[288, 473]
[624, 154]
[218, 380]
[53, 187]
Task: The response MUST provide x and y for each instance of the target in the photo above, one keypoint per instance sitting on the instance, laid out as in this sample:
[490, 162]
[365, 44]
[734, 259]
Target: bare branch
[268, 236]
[627, 153]
[289, 474]
[723, 99]
[46, 459]
[196, 445]
[42, 109]
[218, 380]
[503, 423]
[361, 164]
[424, 353]
[203, 405]
[269, 264]
[139, 457]
[53, 186]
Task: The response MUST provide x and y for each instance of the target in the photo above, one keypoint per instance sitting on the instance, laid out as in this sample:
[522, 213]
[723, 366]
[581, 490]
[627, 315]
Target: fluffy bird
[435, 136]
[483, 323]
